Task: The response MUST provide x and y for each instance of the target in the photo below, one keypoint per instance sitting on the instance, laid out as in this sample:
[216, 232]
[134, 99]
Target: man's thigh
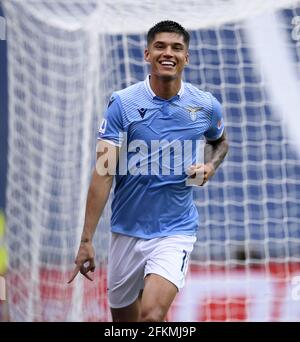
[130, 313]
[125, 271]
[158, 295]
[169, 258]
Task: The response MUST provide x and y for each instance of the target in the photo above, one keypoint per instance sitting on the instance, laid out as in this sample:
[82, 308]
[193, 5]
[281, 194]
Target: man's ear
[146, 55]
[187, 59]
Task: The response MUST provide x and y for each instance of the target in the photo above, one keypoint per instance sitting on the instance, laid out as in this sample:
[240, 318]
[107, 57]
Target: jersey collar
[151, 92]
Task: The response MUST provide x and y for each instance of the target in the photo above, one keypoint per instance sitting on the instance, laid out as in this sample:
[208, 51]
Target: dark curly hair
[168, 26]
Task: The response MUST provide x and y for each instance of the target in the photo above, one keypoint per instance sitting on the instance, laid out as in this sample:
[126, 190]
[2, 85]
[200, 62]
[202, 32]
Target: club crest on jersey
[193, 112]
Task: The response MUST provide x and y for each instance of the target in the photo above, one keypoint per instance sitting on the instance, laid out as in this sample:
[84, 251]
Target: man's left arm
[214, 153]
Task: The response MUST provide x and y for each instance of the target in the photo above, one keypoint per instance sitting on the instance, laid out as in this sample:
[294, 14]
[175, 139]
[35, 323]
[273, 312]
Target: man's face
[167, 54]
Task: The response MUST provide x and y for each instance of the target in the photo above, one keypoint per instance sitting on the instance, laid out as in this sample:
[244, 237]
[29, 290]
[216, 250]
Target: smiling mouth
[167, 63]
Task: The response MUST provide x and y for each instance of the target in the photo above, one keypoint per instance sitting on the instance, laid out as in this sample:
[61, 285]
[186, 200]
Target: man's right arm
[98, 193]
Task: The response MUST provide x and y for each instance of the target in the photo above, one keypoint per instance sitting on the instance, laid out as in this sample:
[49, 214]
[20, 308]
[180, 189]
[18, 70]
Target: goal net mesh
[65, 58]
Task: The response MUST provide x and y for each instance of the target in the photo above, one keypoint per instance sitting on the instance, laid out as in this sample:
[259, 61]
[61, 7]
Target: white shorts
[130, 259]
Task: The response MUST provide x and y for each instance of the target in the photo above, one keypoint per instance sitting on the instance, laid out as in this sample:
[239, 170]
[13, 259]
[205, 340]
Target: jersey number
[183, 260]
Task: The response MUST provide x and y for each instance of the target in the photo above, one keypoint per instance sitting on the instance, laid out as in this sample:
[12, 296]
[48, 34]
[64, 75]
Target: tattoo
[215, 151]
[84, 240]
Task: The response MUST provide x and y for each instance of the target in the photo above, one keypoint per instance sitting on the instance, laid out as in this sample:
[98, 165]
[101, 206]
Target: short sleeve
[111, 127]
[216, 127]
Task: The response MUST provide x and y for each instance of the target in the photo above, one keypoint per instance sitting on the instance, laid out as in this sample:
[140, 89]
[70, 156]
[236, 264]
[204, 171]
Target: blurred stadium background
[63, 60]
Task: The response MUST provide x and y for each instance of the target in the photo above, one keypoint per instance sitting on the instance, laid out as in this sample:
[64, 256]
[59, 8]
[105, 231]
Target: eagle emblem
[193, 112]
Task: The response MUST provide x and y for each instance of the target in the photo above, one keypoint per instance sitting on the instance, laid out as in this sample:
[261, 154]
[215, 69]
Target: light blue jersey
[150, 199]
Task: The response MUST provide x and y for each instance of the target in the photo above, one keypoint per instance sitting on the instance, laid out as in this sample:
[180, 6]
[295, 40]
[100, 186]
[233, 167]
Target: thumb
[93, 266]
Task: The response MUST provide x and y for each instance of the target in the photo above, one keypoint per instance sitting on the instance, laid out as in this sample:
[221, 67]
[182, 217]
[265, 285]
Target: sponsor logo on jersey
[219, 123]
[103, 126]
[142, 112]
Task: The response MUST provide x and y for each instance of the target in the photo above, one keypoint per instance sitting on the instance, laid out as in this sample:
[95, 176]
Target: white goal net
[65, 58]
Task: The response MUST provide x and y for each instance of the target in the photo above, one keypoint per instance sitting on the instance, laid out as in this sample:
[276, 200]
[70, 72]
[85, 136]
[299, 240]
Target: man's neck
[166, 89]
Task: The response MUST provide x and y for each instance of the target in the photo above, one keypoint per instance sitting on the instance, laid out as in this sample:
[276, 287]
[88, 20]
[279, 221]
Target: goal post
[65, 58]
[53, 108]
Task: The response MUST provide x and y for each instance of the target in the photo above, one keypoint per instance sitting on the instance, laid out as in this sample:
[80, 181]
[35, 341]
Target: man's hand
[85, 260]
[199, 174]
